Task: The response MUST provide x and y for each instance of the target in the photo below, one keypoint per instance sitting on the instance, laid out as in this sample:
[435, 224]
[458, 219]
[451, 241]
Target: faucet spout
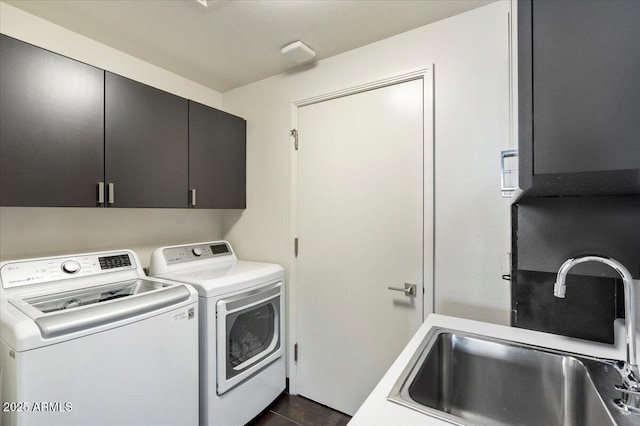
[632, 376]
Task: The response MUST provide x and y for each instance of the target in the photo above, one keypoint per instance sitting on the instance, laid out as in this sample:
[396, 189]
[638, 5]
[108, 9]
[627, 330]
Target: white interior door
[360, 168]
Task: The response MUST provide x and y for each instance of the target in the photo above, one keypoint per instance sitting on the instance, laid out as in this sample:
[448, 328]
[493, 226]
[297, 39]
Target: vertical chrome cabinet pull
[409, 289]
[111, 196]
[193, 197]
[507, 190]
[100, 192]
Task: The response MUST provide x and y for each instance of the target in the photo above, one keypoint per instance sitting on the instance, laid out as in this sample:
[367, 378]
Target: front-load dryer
[88, 339]
[242, 366]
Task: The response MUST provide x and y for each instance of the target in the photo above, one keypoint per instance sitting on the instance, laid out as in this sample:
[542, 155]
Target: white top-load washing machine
[88, 339]
[242, 367]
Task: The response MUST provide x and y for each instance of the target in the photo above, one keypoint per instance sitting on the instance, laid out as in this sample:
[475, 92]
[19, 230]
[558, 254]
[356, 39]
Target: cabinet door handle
[100, 192]
[111, 196]
[193, 197]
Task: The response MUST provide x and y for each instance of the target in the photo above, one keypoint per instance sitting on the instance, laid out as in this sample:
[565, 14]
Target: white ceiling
[235, 42]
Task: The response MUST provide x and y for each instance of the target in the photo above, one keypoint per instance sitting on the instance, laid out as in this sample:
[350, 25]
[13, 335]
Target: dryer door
[249, 328]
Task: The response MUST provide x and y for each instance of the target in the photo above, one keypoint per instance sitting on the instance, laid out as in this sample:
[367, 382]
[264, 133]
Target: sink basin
[467, 379]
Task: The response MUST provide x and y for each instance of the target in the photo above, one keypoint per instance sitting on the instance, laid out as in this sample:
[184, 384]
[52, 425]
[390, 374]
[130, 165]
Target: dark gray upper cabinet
[66, 127]
[51, 128]
[146, 145]
[217, 158]
[579, 97]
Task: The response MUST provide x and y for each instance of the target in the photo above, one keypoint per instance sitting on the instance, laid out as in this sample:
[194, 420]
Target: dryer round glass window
[251, 335]
[249, 325]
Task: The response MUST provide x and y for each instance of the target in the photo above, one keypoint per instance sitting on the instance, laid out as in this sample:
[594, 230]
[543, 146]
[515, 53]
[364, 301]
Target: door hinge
[294, 133]
[295, 247]
[295, 352]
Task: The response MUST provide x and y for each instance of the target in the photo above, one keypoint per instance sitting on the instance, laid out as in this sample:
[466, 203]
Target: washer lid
[63, 313]
[214, 280]
[90, 296]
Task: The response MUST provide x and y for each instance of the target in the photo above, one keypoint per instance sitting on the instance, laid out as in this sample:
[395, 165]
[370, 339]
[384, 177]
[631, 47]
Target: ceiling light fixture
[202, 2]
[298, 52]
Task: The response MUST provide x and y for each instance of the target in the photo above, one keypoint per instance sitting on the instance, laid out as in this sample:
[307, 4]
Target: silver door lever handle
[409, 289]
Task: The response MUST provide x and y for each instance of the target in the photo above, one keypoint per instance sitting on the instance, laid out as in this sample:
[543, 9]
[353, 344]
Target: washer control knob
[70, 266]
[197, 252]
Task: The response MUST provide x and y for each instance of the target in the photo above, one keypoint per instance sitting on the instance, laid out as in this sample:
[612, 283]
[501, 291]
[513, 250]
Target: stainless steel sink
[467, 380]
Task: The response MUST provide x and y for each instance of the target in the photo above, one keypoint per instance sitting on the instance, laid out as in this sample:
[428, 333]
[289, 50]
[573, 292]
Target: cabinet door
[217, 158]
[51, 128]
[146, 144]
[586, 90]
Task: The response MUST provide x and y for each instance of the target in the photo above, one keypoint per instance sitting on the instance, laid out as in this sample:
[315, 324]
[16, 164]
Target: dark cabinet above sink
[579, 97]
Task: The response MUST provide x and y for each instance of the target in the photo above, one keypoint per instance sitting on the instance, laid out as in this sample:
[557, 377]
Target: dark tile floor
[290, 410]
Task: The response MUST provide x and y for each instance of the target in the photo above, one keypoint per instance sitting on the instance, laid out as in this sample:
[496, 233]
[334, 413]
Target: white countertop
[376, 410]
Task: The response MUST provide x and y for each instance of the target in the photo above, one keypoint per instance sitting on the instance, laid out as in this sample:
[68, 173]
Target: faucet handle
[623, 389]
[630, 401]
[630, 376]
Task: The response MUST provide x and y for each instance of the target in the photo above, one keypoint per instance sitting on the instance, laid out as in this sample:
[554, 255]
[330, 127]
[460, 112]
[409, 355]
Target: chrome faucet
[629, 370]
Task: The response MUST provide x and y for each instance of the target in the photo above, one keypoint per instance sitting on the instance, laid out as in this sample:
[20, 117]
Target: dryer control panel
[187, 253]
[38, 271]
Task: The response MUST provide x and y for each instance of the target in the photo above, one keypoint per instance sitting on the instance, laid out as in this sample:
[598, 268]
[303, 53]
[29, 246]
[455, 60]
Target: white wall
[32, 232]
[18, 24]
[35, 232]
[470, 53]
[471, 74]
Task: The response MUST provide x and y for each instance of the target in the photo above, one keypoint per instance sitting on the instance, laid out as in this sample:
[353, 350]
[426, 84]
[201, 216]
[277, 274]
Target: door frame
[426, 75]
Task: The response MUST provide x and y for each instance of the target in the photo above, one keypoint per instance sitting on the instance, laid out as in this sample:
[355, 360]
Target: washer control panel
[37, 271]
[174, 255]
